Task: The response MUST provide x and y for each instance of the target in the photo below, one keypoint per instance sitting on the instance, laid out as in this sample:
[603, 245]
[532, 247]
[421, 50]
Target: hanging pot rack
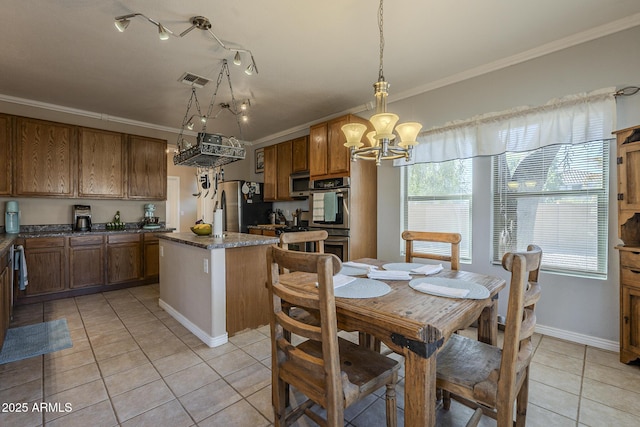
[211, 149]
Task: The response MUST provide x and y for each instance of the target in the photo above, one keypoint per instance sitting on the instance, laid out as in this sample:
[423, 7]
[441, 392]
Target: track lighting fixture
[122, 22]
[199, 22]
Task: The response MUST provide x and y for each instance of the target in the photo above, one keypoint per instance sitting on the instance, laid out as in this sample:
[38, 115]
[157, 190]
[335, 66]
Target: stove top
[292, 229]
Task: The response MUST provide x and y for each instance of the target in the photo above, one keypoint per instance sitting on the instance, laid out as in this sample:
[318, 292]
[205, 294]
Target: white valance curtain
[572, 119]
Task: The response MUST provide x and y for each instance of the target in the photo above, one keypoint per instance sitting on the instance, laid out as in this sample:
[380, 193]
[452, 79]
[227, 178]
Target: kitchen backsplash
[42, 211]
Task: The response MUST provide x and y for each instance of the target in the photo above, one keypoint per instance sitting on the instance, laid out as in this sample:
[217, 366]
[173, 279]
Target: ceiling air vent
[193, 80]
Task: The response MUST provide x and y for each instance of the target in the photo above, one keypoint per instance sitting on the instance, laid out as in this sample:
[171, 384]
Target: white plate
[353, 271]
[363, 288]
[475, 291]
[403, 266]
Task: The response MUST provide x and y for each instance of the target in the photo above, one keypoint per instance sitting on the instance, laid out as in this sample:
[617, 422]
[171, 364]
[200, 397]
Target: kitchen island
[215, 287]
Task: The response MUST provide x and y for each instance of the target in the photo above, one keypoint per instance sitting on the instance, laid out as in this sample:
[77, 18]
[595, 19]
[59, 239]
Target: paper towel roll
[217, 223]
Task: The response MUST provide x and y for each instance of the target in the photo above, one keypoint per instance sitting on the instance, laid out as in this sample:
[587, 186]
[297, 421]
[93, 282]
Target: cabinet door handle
[626, 319]
[636, 253]
[634, 271]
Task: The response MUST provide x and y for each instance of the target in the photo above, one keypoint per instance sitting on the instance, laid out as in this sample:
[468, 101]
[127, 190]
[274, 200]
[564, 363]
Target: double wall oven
[329, 206]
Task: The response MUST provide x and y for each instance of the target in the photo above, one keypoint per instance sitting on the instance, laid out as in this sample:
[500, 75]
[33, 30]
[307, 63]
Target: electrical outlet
[206, 265]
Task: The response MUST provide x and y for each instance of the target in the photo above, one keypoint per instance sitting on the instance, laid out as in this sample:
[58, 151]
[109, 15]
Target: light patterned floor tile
[130, 379]
[239, 414]
[191, 379]
[209, 400]
[142, 399]
[169, 414]
[98, 415]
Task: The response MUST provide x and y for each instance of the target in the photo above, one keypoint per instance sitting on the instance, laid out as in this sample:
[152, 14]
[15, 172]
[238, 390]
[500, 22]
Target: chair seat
[363, 371]
[475, 375]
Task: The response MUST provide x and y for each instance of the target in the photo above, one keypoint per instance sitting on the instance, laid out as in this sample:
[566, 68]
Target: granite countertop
[71, 233]
[6, 240]
[230, 240]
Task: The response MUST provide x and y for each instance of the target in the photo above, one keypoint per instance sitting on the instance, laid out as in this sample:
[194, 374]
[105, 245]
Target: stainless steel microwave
[299, 185]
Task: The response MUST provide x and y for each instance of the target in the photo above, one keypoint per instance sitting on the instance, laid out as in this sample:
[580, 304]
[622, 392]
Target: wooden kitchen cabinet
[147, 168]
[280, 161]
[300, 154]
[5, 295]
[284, 153]
[328, 157]
[124, 258]
[46, 263]
[628, 158]
[45, 156]
[270, 173]
[86, 261]
[151, 256]
[101, 164]
[5, 155]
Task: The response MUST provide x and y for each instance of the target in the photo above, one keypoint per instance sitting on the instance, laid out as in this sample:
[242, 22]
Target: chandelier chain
[380, 28]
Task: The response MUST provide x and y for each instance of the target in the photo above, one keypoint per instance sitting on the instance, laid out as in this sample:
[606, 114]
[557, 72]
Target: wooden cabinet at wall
[45, 158]
[46, 263]
[628, 164]
[328, 157]
[147, 168]
[280, 161]
[151, 256]
[5, 155]
[101, 164]
[124, 258]
[5, 295]
[300, 154]
[284, 170]
[270, 173]
[86, 261]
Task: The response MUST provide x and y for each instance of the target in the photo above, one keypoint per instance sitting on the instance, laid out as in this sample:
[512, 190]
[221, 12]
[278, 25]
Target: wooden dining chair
[437, 237]
[331, 372]
[487, 377]
[317, 237]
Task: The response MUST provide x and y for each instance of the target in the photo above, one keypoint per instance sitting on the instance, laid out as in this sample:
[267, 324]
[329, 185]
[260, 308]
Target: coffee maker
[81, 218]
[12, 217]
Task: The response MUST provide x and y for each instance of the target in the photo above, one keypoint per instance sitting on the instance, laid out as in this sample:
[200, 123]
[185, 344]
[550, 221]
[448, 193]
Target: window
[557, 198]
[438, 198]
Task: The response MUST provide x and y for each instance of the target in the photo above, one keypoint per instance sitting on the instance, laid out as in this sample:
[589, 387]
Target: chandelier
[382, 141]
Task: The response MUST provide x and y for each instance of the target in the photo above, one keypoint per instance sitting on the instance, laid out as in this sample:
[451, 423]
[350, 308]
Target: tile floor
[131, 364]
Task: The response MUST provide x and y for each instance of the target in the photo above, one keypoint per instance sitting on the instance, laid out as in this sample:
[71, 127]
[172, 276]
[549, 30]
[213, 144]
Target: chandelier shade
[354, 132]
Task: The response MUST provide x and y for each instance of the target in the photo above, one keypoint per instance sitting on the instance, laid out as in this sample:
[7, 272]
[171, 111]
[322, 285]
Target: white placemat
[353, 271]
[403, 266]
[475, 291]
[363, 288]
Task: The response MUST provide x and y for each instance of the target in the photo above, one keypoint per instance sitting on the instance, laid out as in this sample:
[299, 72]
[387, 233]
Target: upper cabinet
[5, 155]
[39, 158]
[270, 173]
[280, 161]
[147, 168]
[44, 158]
[284, 170]
[101, 164]
[300, 154]
[328, 157]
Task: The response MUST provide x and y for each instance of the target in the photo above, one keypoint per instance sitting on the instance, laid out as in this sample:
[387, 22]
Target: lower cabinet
[151, 257]
[5, 295]
[46, 263]
[76, 265]
[124, 258]
[86, 261]
[629, 304]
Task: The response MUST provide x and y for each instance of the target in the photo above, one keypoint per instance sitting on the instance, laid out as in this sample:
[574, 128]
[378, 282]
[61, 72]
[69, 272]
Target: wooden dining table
[415, 325]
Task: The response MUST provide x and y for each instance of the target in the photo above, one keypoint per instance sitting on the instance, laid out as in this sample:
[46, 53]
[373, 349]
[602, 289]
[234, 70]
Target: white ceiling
[315, 59]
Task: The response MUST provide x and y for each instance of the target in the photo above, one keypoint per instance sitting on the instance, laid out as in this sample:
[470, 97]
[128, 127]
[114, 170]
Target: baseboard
[204, 337]
[578, 338]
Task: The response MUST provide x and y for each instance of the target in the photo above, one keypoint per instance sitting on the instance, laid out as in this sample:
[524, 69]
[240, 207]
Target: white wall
[584, 310]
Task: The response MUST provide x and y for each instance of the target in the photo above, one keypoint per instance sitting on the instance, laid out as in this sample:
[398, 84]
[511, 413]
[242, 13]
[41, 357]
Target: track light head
[162, 32]
[249, 70]
[122, 24]
[236, 59]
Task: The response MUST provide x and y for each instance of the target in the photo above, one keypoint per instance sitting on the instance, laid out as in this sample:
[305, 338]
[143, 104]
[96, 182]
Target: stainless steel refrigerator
[242, 205]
